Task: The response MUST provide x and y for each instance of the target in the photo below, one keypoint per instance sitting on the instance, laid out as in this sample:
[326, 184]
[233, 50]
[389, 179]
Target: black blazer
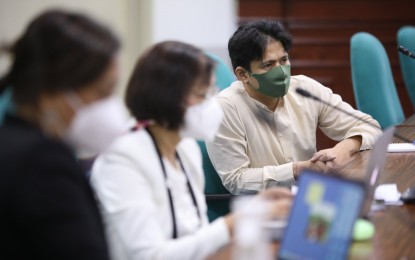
[47, 208]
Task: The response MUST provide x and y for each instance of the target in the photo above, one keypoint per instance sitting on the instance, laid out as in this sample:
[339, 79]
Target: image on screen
[322, 217]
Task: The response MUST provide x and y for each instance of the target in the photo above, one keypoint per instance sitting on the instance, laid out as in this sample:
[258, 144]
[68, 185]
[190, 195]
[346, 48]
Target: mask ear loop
[74, 101]
[248, 75]
[250, 84]
[53, 119]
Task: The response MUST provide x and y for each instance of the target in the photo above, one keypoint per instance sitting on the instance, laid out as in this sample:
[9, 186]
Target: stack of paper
[388, 193]
[401, 147]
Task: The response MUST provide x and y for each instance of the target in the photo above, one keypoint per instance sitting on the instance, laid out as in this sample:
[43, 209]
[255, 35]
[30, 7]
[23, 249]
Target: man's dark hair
[162, 79]
[251, 39]
[58, 51]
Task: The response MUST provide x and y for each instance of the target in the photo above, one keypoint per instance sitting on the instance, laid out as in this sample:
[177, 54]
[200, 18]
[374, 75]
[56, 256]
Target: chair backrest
[224, 78]
[6, 104]
[374, 87]
[223, 73]
[217, 196]
[213, 184]
[406, 38]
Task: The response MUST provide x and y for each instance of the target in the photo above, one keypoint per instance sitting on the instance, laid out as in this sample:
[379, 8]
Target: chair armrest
[216, 197]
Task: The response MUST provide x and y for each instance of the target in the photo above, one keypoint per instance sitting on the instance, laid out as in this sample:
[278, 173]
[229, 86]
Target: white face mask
[95, 125]
[202, 121]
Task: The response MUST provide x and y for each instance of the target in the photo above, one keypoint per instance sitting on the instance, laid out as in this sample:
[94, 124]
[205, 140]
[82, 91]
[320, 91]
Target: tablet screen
[322, 217]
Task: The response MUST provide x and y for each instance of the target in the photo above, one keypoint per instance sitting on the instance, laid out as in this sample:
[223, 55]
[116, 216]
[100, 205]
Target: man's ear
[242, 74]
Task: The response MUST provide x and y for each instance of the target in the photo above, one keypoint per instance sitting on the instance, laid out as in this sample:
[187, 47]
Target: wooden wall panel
[260, 8]
[322, 30]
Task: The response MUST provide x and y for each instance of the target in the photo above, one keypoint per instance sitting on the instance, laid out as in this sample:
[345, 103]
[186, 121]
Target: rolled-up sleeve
[228, 153]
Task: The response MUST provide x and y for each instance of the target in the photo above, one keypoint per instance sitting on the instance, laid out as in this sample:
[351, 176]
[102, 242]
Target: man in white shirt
[268, 135]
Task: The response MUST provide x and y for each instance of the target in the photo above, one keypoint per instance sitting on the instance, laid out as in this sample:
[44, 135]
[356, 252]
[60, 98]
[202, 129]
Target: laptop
[322, 217]
[375, 166]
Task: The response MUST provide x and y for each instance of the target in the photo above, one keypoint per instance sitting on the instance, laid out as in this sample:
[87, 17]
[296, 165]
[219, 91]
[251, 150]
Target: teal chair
[217, 196]
[6, 104]
[224, 74]
[406, 38]
[373, 84]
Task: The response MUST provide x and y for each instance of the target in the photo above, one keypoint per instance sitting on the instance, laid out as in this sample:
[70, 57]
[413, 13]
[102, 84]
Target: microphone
[307, 94]
[406, 52]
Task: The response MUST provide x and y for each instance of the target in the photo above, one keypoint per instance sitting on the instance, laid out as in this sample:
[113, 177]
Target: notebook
[322, 217]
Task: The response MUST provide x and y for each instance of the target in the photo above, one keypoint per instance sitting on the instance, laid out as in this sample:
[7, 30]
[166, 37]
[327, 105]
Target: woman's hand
[278, 202]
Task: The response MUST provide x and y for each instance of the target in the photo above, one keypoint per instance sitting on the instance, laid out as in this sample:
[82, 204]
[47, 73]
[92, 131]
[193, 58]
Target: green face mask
[275, 82]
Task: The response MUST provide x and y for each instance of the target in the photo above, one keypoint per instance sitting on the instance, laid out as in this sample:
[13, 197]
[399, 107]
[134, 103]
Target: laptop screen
[322, 217]
[378, 157]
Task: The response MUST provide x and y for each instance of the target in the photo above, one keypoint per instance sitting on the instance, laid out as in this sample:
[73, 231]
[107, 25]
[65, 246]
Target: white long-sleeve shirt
[255, 148]
[131, 190]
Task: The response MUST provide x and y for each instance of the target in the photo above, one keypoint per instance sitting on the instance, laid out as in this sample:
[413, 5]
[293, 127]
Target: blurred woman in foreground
[62, 76]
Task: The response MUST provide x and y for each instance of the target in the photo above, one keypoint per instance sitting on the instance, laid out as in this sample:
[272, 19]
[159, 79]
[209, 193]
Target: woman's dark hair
[58, 51]
[251, 39]
[163, 78]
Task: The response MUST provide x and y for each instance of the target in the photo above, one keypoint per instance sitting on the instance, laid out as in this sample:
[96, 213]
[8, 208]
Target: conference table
[394, 236]
[395, 225]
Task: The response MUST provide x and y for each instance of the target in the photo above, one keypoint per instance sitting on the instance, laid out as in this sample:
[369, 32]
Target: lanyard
[173, 215]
